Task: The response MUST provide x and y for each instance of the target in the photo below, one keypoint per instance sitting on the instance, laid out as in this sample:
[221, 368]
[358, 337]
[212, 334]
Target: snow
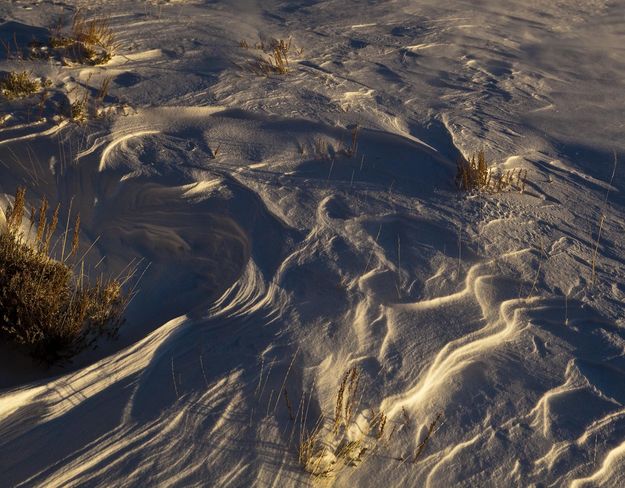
[278, 260]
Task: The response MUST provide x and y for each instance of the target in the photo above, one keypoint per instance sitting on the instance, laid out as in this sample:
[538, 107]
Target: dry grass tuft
[275, 58]
[104, 89]
[475, 175]
[95, 32]
[88, 41]
[47, 309]
[330, 447]
[79, 110]
[312, 452]
[19, 85]
[350, 439]
[11, 47]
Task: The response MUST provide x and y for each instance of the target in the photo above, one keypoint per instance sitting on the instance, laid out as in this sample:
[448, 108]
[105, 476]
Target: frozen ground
[283, 262]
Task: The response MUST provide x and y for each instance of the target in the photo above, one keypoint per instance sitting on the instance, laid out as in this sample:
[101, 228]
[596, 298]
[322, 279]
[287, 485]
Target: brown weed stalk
[423, 444]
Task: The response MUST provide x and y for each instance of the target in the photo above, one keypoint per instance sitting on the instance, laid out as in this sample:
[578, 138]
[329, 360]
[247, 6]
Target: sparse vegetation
[311, 452]
[19, 85]
[329, 447]
[423, 444]
[275, 57]
[88, 41]
[475, 175]
[602, 218]
[46, 308]
[325, 450]
[78, 110]
[350, 151]
[326, 150]
[10, 47]
[322, 149]
[289, 407]
[378, 423]
[104, 89]
[346, 399]
[215, 152]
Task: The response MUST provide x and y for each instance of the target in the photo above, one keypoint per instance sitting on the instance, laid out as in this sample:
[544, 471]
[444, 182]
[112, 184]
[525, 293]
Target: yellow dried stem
[51, 228]
[338, 408]
[75, 237]
[43, 219]
[421, 447]
[104, 88]
[354, 381]
[14, 217]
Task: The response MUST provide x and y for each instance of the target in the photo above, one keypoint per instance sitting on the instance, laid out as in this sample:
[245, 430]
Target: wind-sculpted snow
[289, 228]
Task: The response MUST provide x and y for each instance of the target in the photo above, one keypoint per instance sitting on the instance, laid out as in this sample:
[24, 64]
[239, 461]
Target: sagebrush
[47, 308]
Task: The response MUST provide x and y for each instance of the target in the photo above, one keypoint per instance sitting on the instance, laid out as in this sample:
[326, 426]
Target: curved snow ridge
[249, 295]
[489, 324]
[528, 387]
[166, 435]
[217, 138]
[59, 398]
[440, 460]
[473, 276]
[575, 383]
[562, 412]
[150, 121]
[504, 323]
[611, 472]
[146, 417]
[49, 131]
[19, 127]
[119, 140]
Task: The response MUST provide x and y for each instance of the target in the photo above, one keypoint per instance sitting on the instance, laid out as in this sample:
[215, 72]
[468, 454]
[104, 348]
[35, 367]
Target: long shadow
[15, 38]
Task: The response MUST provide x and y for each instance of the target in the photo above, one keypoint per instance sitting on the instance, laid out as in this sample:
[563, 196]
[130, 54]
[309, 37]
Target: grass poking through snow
[275, 57]
[19, 85]
[46, 307]
[89, 41]
[475, 175]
